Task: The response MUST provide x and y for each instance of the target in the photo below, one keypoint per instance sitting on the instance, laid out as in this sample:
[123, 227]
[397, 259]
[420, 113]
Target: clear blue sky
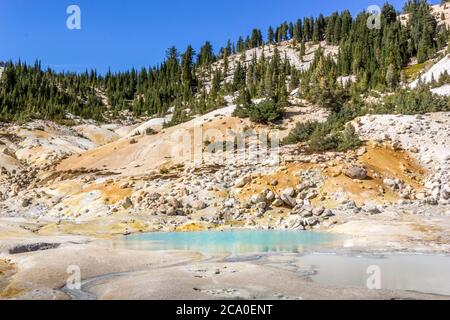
[123, 34]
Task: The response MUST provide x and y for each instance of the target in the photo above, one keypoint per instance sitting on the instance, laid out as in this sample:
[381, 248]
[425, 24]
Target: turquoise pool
[230, 242]
[423, 273]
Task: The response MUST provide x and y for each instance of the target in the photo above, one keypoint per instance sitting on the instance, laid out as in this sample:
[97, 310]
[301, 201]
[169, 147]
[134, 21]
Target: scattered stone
[26, 202]
[257, 198]
[356, 173]
[154, 196]
[124, 185]
[270, 196]
[361, 151]
[243, 181]
[318, 211]
[371, 209]
[328, 213]
[198, 205]
[278, 203]
[127, 203]
[290, 192]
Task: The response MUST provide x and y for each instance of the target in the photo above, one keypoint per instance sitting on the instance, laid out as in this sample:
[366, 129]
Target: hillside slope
[433, 73]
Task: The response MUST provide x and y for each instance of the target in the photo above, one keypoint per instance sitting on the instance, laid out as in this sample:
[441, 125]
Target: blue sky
[136, 33]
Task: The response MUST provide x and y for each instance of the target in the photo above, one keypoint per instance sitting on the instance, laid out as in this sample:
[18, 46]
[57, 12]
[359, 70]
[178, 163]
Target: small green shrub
[322, 140]
[301, 133]
[150, 132]
[349, 139]
[266, 111]
[418, 101]
[241, 112]
[263, 112]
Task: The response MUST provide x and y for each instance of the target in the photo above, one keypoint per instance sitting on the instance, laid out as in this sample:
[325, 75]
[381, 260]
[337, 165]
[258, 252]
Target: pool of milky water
[415, 272]
[230, 242]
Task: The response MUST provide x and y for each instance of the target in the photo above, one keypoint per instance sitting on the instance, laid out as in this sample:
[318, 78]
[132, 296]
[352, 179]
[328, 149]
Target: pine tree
[270, 36]
[302, 50]
[206, 55]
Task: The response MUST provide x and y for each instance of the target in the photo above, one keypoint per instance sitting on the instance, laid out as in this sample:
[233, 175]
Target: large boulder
[270, 196]
[318, 211]
[328, 213]
[445, 193]
[154, 196]
[257, 198]
[288, 201]
[356, 173]
[240, 183]
[278, 202]
[127, 203]
[26, 202]
[198, 205]
[173, 202]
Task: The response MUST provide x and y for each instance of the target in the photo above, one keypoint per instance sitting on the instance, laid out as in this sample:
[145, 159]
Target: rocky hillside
[88, 179]
[289, 50]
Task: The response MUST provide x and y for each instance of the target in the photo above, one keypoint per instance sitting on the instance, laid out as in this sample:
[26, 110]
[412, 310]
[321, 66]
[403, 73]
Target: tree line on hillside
[28, 92]
[188, 82]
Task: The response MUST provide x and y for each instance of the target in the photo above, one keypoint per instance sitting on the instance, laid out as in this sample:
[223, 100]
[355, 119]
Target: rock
[290, 192]
[391, 183]
[327, 213]
[445, 193]
[26, 202]
[311, 195]
[397, 145]
[260, 213]
[306, 214]
[297, 209]
[171, 211]
[127, 203]
[420, 196]
[261, 205]
[154, 196]
[23, 248]
[289, 201]
[312, 221]
[371, 209]
[361, 151]
[229, 203]
[274, 183]
[432, 201]
[173, 202]
[278, 202]
[242, 182]
[198, 205]
[305, 185]
[124, 185]
[294, 223]
[257, 198]
[318, 211]
[356, 173]
[270, 196]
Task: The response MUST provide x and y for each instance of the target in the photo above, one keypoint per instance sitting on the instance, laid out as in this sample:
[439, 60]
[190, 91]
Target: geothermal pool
[319, 256]
[230, 242]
